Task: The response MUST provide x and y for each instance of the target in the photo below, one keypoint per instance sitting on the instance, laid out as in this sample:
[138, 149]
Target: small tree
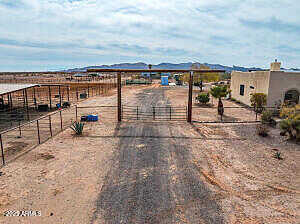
[203, 98]
[219, 92]
[258, 101]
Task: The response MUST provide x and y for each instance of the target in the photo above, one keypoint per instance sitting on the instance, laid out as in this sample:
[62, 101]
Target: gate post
[2, 150]
[190, 98]
[119, 97]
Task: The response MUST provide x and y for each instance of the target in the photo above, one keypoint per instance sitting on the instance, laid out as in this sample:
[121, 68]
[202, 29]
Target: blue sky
[57, 34]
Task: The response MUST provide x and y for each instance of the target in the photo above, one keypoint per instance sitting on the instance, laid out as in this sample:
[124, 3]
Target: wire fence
[167, 113]
[208, 114]
[17, 140]
[50, 97]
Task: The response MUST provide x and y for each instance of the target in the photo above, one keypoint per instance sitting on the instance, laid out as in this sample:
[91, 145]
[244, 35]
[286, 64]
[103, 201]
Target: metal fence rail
[26, 109]
[154, 113]
[231, 114]
[14, 141]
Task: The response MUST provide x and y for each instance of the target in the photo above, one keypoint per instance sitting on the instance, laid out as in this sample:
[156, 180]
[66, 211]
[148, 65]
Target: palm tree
[219, 92]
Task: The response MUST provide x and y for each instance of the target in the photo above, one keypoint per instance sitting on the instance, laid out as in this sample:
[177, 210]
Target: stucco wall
[280, 82]
[259, 80]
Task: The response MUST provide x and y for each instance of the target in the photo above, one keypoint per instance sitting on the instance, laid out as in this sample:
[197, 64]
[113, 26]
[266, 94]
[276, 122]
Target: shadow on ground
[152, 180]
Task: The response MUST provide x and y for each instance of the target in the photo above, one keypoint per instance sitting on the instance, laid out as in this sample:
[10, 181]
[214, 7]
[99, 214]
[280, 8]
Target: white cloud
[249, 33]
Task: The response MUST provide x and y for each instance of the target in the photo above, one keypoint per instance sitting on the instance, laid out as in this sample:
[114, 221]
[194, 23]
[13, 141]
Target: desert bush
[291, 124]
[258, 101]
[77, 127]
[288, 111]
[262, 130]
[203, 98]
[267, 118]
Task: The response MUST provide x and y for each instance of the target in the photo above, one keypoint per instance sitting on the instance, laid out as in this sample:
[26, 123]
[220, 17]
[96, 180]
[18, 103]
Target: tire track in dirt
[249, 196]
[151, 179]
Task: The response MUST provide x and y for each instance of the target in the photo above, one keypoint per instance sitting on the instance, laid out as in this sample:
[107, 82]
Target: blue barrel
[165, 80]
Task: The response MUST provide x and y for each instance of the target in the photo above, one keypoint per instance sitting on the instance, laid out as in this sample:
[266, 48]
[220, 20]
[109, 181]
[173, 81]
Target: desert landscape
[143, 171]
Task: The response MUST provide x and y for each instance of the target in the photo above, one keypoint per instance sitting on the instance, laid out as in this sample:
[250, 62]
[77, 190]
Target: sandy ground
[155, 172]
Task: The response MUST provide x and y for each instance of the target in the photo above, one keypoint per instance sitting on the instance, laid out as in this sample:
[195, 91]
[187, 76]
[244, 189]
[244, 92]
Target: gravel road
[152, 179]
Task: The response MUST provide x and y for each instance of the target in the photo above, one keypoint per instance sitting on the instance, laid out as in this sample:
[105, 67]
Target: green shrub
[203, 98]
[258, 101]
[77, 127]
[291, 126]
[267, 118]
[262, 130]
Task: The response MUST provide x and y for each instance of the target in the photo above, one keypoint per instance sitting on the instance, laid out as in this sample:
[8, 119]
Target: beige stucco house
[277, 84]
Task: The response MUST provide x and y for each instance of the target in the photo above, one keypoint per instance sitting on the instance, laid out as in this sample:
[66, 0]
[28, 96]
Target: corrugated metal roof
[8, 88]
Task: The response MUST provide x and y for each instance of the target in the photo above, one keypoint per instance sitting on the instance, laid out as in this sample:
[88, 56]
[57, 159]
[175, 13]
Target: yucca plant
[77, 127]
[219, 92]
[277, 155]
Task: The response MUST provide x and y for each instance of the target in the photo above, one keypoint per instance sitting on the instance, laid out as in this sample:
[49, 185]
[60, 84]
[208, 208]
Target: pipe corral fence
[34, 132]
[26, 126]
[30, 103]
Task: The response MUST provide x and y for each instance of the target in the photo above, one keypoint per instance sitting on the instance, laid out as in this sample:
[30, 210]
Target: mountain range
[141, 65]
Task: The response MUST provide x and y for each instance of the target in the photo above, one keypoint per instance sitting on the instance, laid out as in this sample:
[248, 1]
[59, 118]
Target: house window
[242, 90]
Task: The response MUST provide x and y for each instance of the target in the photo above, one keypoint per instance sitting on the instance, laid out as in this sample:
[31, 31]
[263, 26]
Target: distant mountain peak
[163, 65]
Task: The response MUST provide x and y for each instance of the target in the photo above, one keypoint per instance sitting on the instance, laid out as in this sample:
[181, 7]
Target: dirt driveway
[158, 172]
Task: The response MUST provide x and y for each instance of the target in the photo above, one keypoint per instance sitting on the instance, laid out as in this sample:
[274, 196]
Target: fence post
[119, 97]
[122, 112]
[255, 115]
[153, 109]
[50, 126]
[170, 113]
[38, 131]
[76, 112]
[2, 150]
[68, 92]
[190, 98]
[61, 123]
[60, 99]
[186, 111]
[77, 93]
[49, 92]
[137, 112]
[20, 128]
